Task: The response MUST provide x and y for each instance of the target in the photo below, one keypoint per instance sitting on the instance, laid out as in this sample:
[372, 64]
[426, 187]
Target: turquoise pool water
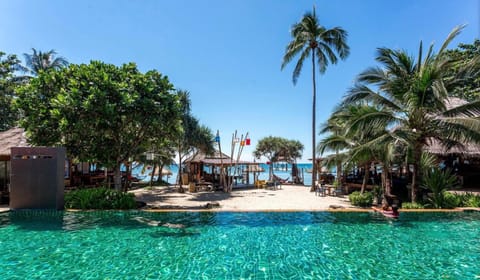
[303, 245]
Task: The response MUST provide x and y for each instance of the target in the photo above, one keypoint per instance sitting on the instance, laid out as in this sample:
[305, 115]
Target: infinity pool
[205, 245]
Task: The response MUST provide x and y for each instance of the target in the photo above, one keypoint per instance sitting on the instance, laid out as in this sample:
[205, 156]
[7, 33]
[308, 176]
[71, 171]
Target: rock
[211, 205]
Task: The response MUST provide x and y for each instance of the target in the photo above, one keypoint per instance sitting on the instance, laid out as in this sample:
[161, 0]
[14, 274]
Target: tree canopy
[408, 100]
[8, 65]
[465, 56]
[99, 112]
[278, 148]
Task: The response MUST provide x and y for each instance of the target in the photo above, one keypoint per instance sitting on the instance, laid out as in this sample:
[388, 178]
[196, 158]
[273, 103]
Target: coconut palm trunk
[309, 38]
[314, 107]
[365, 177]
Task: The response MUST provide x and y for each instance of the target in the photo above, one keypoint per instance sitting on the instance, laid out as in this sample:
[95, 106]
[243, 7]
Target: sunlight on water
[202, 245]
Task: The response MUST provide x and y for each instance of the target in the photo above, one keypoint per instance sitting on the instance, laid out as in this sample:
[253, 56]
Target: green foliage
[99, 198]
[276, 148]
[324, 46]
[43, 61]
[468, 200]
[438, 182]
[409, 97]
[99, 112]
[8, 114]
[362, 200]
[412, 205]
[451, 201]
[464, 57]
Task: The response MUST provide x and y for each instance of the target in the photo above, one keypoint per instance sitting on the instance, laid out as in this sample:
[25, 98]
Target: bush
[362, 200]
[469, 200]
[451, 200]
[412, 205]
[99, 198]
[438, 182]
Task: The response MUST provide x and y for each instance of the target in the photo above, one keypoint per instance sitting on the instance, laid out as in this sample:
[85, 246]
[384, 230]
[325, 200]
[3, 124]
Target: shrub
[469, 200]
[451, 200]
[362, 200]
[438, 182]
[412, 205]
[99, 198]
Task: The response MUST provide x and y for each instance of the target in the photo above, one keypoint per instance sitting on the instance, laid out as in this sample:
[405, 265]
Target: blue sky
[227, 54]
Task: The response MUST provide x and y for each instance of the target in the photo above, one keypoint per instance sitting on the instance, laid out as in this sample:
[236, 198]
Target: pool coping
[353, 210]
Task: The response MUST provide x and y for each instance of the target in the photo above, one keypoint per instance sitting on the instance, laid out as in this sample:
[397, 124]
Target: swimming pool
[210, 245]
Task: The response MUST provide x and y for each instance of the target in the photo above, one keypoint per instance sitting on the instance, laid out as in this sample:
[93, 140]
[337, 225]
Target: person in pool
[388, 211]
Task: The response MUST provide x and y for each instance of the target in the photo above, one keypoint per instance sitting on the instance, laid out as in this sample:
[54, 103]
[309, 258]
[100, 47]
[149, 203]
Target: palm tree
[43, 61]
[194, 136]
[412, 97]
[352, 144]
[309, 38]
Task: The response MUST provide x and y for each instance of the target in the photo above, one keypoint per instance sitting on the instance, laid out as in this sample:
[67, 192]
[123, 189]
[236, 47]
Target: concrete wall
[36, 178]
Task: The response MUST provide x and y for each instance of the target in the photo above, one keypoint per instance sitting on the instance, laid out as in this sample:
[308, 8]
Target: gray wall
[36, 178]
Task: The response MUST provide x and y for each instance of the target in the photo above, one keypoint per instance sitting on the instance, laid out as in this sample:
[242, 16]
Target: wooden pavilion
[201, 167]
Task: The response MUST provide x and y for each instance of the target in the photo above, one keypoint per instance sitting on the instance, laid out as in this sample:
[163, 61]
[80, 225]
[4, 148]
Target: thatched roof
[202, 157]
[466, 149]
[214, 159]
[14, 137]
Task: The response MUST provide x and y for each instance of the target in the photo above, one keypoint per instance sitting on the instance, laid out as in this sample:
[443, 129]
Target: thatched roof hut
[467, 150]
[14, 137]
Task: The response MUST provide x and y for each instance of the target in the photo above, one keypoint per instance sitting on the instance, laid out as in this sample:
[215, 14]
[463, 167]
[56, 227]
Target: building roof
[14, 137]
[215, 159]
[466, 149]
[434, 146]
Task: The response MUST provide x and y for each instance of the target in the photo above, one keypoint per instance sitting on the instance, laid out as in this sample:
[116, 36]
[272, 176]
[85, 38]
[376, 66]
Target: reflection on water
[254, 245]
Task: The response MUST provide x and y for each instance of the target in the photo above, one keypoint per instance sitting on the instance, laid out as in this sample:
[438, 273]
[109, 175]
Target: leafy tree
[274, 148]
[465, 55]
[99, 112]
[310, 38]
[411, 97]
[8, 114]
[43, 61]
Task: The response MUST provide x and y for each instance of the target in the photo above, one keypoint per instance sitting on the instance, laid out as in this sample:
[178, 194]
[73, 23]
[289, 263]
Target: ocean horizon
[281, 170]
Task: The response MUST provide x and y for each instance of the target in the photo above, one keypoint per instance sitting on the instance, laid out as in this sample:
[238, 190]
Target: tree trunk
[339, 171]
[159, 177]
[179, 174]
[270, 175]
[417, 153]
[365, 178]
[153, 173]
[117, 177]
[127, 178]
[314, 101]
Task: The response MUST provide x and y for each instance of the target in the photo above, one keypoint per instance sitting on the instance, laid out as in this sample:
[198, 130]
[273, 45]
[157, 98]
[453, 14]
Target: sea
[281, 170]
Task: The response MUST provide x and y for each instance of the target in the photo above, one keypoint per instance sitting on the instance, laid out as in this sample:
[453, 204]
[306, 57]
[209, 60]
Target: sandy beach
[286, 198]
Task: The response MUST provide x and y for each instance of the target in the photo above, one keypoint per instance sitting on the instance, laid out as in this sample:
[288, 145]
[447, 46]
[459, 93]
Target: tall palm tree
[194, 137]
[412, 97]
[43, 61]
[310, 38]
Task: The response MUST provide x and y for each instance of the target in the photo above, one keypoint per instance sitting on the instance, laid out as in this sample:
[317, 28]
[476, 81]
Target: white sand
[287, 198]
